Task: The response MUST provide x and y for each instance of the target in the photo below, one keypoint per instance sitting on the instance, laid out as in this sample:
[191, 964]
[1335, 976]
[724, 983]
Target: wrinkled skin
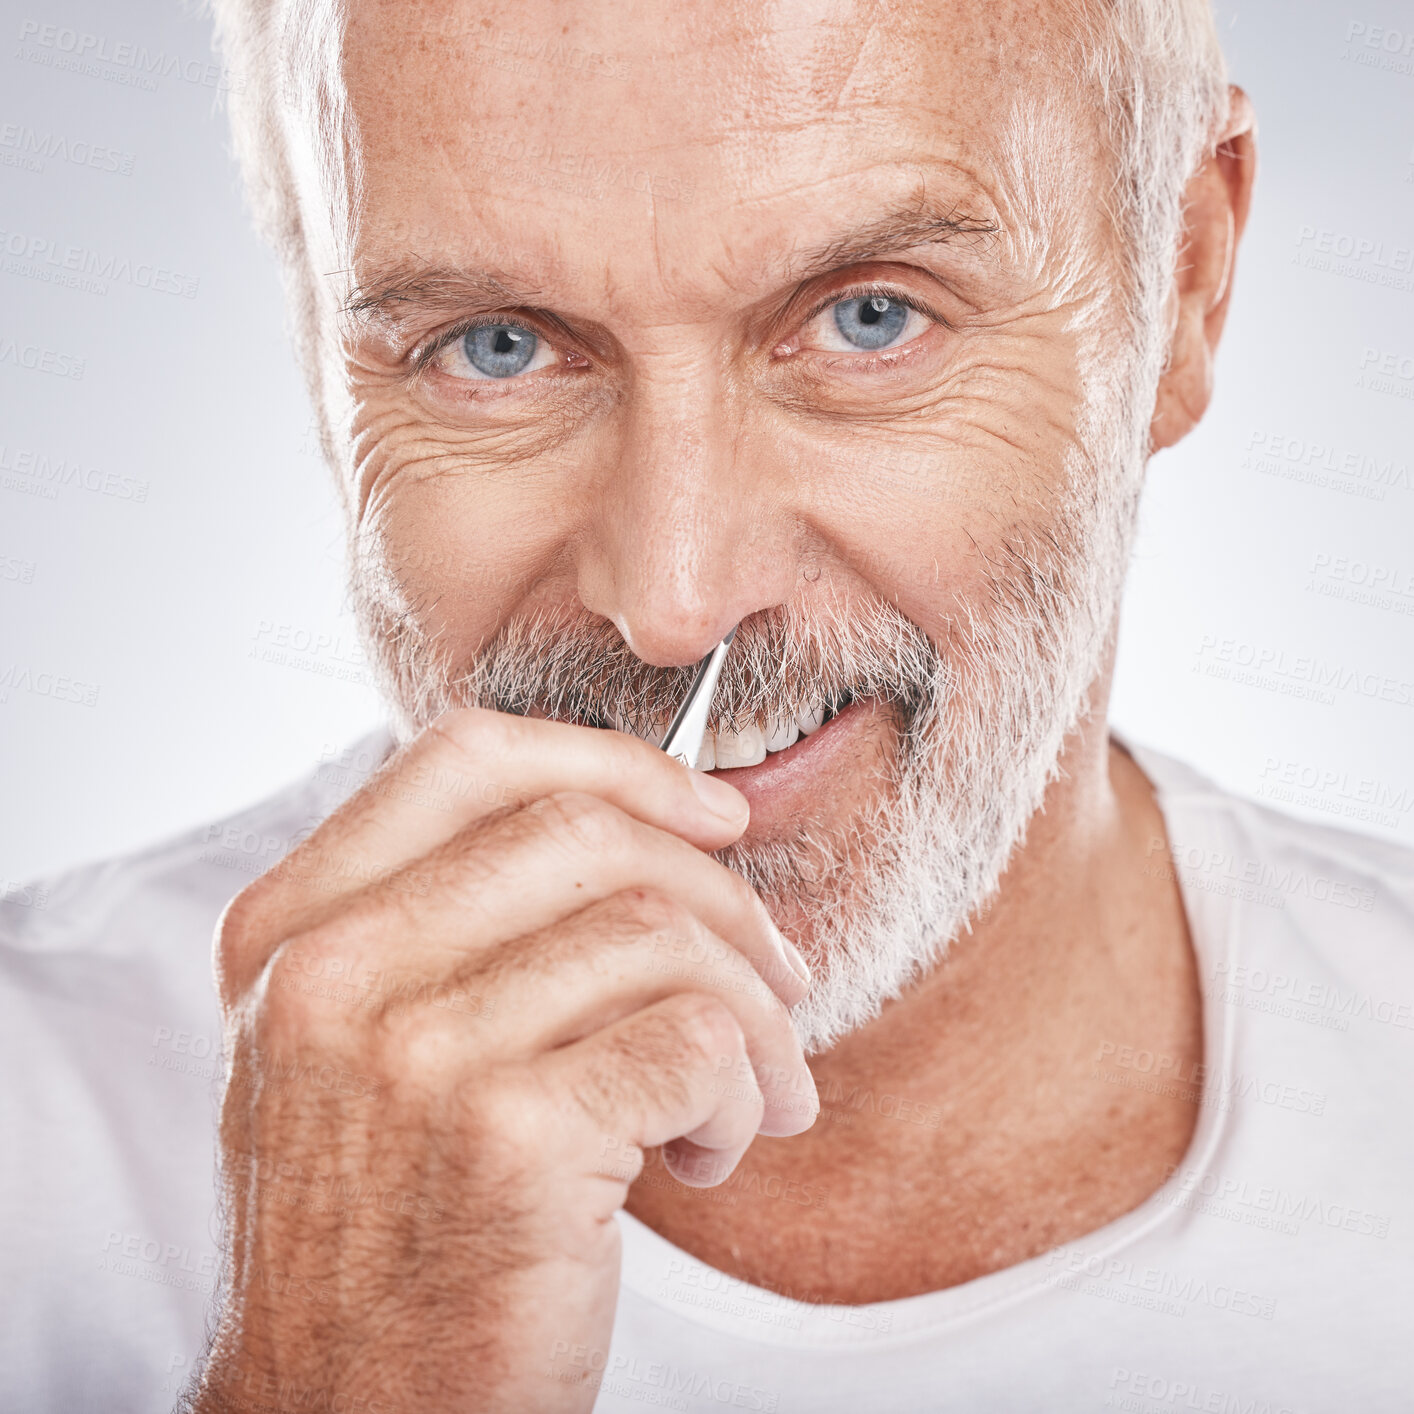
[697, 447]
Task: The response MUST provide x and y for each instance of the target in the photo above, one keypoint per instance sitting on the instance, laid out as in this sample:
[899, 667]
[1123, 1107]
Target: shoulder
[1312, 899]
[131, 904]
[1185, 794]
[109, 1023]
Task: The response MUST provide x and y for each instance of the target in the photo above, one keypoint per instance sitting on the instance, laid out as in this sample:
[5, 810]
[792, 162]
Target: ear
[1215, 212]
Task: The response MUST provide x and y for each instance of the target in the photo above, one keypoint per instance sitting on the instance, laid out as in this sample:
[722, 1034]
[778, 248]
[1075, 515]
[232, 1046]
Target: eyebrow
[425, 287]
[904, 228]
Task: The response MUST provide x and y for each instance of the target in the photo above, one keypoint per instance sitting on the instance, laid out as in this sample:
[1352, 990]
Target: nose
[692, 530]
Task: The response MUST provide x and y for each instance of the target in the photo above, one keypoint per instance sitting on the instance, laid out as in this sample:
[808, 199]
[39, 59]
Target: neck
[982, 1102]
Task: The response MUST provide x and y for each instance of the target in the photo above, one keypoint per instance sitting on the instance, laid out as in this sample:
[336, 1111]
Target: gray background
[173, 637]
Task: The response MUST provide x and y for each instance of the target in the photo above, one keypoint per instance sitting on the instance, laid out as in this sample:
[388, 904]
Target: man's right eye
[495, 351]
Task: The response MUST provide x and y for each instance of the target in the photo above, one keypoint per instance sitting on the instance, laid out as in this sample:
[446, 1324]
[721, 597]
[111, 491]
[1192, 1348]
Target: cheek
[929, 516]
[925, 501]
[456, 547]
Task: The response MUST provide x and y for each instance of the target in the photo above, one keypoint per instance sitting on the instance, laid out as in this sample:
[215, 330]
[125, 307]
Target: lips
[825, 768]
[826, 776]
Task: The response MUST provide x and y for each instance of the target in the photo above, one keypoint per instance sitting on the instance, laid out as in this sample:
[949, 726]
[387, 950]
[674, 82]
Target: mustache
[575, 666]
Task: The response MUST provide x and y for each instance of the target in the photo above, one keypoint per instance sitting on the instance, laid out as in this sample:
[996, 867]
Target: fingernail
[724, 801]
[792, 956]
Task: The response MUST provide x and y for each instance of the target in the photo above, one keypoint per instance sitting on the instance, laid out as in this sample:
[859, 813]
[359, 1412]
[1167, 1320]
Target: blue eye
[871, 322]
[499, 350]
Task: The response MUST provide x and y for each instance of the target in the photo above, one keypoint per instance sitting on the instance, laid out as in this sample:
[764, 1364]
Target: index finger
[471, 763]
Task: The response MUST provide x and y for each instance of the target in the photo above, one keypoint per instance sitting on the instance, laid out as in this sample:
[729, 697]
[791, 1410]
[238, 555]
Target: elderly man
[908, 1053]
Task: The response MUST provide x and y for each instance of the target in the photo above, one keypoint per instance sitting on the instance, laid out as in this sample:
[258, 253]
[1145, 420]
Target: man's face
[800, 316]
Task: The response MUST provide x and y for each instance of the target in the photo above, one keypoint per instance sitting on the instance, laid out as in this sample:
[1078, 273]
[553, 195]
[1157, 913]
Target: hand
[456, 1015]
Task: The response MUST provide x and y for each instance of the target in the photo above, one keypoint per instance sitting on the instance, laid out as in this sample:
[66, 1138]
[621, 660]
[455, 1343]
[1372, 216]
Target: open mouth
[785, 769]
[725, 748]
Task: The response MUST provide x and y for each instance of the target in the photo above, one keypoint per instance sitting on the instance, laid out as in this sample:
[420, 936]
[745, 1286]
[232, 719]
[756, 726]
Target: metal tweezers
[685, 732]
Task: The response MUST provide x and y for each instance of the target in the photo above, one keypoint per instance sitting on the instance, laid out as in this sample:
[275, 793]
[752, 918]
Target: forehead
[667, 143]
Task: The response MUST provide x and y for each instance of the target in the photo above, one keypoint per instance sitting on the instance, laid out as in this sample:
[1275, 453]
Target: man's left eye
[867, 324]
[496, 351]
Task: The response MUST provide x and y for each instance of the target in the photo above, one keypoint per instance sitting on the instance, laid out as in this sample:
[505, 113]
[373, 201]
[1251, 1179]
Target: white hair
[288, 111]
[1158, 73]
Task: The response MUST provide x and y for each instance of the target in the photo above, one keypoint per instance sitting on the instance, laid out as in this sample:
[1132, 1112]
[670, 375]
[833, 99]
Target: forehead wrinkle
[901, 222]
[390, 289]
[1018, 180]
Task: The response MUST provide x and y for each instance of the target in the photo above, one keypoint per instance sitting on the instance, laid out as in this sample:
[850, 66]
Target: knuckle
[508, 1117]
[241, 924]
[284, 1010]
[463, 728]
[749, 901]
[588, 824]
[650, 911]
[321, 953]
[661, 1060]
[705, 1029]
[462, 742]
[626, 754]
[475, 735]
[505, 1102]
[416, 1050]
[242, 940]
[302, 980]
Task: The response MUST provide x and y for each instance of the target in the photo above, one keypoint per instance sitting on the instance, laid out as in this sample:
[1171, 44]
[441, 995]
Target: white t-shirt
[1273, 1272]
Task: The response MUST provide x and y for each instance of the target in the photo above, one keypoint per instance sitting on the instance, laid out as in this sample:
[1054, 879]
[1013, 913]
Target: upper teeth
[747, 747]
[744, 748]
[782, 735]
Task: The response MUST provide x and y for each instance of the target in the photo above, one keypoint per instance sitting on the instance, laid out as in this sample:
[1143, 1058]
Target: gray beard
[976, 761]
[877, 901]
